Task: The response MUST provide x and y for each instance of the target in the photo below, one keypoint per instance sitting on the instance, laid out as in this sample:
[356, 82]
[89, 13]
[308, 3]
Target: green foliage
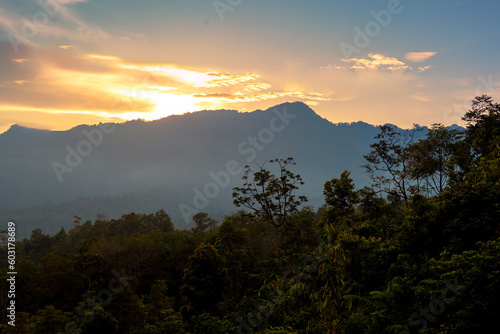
[271, 197]
[203, 222]
[204, 282]
[483, 123]
[279, 330]
[207, 324]
[340, 195]
[98, 321]
[50, 319]
[431, 159]
[389, 159]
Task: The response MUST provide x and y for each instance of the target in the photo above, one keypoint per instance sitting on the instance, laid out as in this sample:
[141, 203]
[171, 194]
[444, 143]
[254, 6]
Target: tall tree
[389, 157]
[340, 195]
[203, 222]
[483, 126]
[431, 158]
[204, 282]
[271, 197]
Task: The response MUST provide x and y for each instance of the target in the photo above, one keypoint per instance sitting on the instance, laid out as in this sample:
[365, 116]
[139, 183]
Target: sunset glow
[78, 63]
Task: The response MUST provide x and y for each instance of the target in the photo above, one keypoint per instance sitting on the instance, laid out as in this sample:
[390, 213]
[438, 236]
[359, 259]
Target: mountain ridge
[16, 128]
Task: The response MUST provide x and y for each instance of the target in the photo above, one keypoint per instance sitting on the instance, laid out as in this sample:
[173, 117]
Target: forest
[418, 251]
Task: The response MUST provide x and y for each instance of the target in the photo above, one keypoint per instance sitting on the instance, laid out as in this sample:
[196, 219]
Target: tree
[431, 158]
[390, 157]
[203, 222]
[232, 239]
[271, 197]
[204, 281]
[141, 255]
[56, 282]
[51, 320]
[369, 203]
[340, 195]
[162, 222]
[158, 301]
[38, 245]
[483, 125]
[130, 224]
[90, 266]
[60, 237]
[98, 321]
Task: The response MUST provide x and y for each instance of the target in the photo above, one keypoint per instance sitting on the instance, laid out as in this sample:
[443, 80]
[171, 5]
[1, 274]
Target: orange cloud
[77, 83]
[332, 67]
[421, 98]
[65, 2]
[230, 80]
[425, 68]
[419, 57]
[376, 62]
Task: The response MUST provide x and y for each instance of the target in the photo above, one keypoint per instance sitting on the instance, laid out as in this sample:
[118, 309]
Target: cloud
[419, 57]
[227, 96]
[174, 72]
[425, 68]
[103, 57]
[20, 60]
[420, 97]
[332, 67]
[60, 23]
[255, 87]
[376, 62]
[257, 97]
[230, 80]
[66, 2]
[85, 84]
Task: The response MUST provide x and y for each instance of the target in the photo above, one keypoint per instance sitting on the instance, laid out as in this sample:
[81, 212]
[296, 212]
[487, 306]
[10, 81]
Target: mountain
[182, 163]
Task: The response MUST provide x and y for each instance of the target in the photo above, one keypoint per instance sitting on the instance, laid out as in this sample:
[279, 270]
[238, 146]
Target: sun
[164, 103]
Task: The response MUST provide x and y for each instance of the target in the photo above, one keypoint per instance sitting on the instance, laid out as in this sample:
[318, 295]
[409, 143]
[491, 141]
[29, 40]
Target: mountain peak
[17, 128]
[14, 127]
[16, 131]
[296, 107]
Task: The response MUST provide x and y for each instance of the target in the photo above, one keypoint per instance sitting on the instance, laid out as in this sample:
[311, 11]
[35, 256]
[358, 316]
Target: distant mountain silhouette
[112, 169]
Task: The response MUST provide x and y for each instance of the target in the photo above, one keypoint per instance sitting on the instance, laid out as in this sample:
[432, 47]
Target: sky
[70, 62]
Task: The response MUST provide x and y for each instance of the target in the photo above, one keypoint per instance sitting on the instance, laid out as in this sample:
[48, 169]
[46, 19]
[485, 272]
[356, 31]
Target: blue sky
[114, 60]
